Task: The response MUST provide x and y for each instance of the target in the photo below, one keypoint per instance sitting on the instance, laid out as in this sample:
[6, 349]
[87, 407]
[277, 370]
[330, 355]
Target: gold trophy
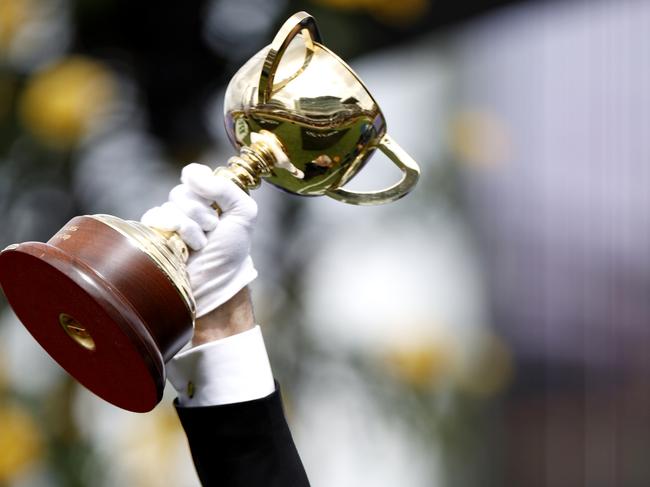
[109, 299]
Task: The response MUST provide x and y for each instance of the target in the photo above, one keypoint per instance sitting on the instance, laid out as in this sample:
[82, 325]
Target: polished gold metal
[320, 111]
[300, 23]
[76, 331]
[254, 161]
[410, 174]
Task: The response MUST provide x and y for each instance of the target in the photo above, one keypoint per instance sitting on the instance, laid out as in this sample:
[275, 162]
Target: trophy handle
[299, 23]
[410, 175]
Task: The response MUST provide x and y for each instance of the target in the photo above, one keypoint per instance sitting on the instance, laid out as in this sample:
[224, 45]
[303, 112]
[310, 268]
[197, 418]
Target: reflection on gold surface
[321, 113]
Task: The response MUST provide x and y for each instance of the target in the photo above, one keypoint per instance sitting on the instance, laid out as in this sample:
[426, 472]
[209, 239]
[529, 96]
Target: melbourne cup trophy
[110, 300]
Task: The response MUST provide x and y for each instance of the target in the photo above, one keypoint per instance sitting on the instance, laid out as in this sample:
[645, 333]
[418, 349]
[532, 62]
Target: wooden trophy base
[101, 306]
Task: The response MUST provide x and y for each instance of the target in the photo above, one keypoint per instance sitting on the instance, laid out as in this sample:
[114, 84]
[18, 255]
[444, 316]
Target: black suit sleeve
[246, 444]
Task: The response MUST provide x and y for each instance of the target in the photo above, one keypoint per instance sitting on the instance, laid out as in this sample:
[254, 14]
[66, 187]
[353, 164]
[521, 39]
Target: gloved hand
[220, 265]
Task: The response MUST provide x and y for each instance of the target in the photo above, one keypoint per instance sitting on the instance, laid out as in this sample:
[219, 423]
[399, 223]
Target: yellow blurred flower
[65, 101]
[388, 11]
[154, 451]
[33, 32]
[422, 364]
[13, 14]
[480, 139]
[480, 367]
[21, 443]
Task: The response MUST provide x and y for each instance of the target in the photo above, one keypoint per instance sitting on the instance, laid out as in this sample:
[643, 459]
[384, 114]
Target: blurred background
[490, 329]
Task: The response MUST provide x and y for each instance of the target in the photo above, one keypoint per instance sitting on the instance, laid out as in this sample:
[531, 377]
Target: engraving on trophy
[63, 233]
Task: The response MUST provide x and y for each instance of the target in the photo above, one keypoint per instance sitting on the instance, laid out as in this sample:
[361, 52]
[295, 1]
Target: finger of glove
[189, 231]
[194, 206]
[228, 196]
[161, 219]
[169, 218]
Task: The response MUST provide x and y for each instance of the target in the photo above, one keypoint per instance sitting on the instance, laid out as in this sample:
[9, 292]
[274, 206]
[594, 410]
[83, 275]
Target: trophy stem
[245, 170]
[254, 161]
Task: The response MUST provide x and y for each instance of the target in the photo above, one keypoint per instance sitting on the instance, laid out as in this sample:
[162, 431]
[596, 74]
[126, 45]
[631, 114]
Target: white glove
[221, 264]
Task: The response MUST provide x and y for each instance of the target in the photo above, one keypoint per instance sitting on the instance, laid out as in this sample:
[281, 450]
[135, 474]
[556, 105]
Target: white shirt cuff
[233, 369]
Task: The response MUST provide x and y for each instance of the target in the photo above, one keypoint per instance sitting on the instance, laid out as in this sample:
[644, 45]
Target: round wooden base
[101, 308]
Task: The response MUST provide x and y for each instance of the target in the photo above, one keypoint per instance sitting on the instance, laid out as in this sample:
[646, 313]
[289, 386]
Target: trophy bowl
[321, 112]
[110, 300]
